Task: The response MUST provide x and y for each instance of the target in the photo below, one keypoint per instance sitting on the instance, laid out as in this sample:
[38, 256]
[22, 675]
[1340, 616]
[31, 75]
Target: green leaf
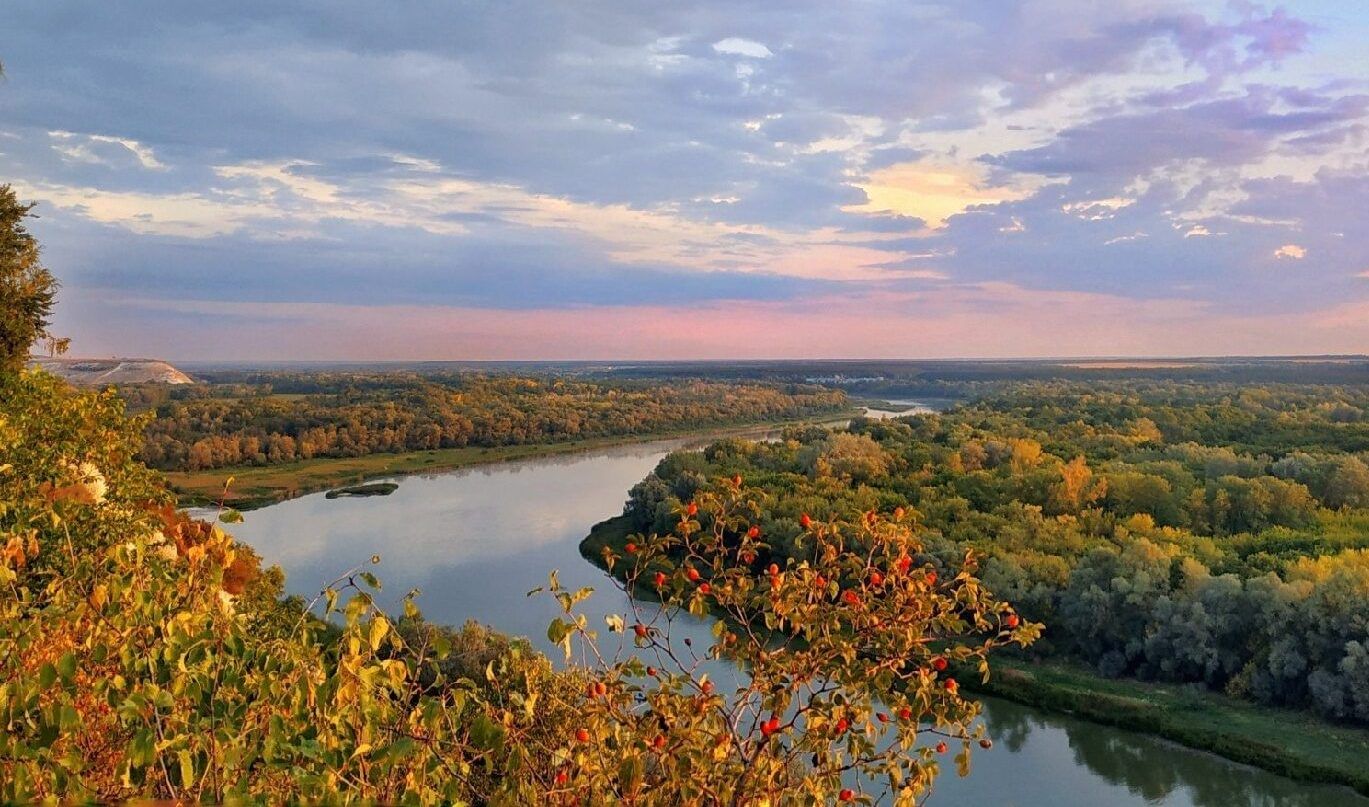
[142, 749]
[486, 734]
[46, 675]
[66, 666]
[230, 516]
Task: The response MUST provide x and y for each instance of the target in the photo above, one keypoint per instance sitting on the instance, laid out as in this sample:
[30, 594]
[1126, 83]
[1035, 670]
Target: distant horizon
[1322, 357]
[672, 181]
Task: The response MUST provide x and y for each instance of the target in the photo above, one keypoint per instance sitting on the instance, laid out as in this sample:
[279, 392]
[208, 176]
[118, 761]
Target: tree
[27, 289]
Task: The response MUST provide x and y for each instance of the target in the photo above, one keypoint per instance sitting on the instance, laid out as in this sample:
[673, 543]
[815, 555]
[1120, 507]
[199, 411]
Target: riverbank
[1290, 743]
[256, 486]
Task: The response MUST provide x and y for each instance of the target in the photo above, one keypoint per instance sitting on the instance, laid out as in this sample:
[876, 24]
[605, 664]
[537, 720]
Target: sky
[503, 179]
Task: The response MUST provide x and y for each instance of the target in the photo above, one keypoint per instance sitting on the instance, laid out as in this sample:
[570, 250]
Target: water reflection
[476, 540]
[1062, 761]
[906, 407]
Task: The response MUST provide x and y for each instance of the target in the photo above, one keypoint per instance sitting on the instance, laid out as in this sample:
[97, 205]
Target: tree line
[1172, 531]
[353, 414]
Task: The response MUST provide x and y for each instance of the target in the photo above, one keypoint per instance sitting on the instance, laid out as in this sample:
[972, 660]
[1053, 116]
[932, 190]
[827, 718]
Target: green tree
[27, 288]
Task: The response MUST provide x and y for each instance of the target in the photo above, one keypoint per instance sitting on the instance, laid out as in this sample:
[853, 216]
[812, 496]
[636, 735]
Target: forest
[271, 418]
[1207, 533]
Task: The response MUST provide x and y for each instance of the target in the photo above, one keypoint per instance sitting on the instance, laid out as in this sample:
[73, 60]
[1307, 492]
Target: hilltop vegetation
[1204, 533]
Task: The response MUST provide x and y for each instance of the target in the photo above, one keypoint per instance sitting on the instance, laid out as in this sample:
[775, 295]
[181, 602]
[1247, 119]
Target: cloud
[534, 157]
[736, 46]
[933, 192]
[1292, 251]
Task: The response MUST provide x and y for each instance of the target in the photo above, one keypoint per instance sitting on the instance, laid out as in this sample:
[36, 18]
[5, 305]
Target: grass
[1292, 743]
[1295, 744]
[256, 486]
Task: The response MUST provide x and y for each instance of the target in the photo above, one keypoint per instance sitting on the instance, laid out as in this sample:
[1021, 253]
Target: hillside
[99, 372]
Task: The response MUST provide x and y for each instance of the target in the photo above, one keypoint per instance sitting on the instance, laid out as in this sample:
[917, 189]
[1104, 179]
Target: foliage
[849, 648]
[27, 289]
[355, 414]
[1179, 532]
[143, 654]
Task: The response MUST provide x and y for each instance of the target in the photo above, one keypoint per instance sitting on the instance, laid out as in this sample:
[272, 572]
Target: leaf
[380, 627]
[486, 734]
[66, 666]
[614, 622]
[142, 749]
[187, 762]
[230, 516]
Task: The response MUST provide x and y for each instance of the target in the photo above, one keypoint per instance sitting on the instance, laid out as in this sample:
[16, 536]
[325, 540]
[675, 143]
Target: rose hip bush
[850, 655]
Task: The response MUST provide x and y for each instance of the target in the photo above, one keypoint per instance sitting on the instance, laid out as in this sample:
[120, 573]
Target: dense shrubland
[145, 654]
[1180, 532]
[288, 417]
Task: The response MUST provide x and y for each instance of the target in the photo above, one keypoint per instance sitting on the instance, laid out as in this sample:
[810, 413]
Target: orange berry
[692, 509]
[631, 548]
[846, 794]
[660, 580]
[753, 533]
[805, 521]
[582, 735]
[1012, 621]
[692, 574]
[941, 748]
[705, 589]
[939, 663]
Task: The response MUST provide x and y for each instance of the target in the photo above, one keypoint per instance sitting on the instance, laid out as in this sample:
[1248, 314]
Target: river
[476, 540]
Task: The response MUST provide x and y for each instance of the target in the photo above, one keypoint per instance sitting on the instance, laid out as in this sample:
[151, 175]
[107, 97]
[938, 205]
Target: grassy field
[1291, 743]
[260, 485]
